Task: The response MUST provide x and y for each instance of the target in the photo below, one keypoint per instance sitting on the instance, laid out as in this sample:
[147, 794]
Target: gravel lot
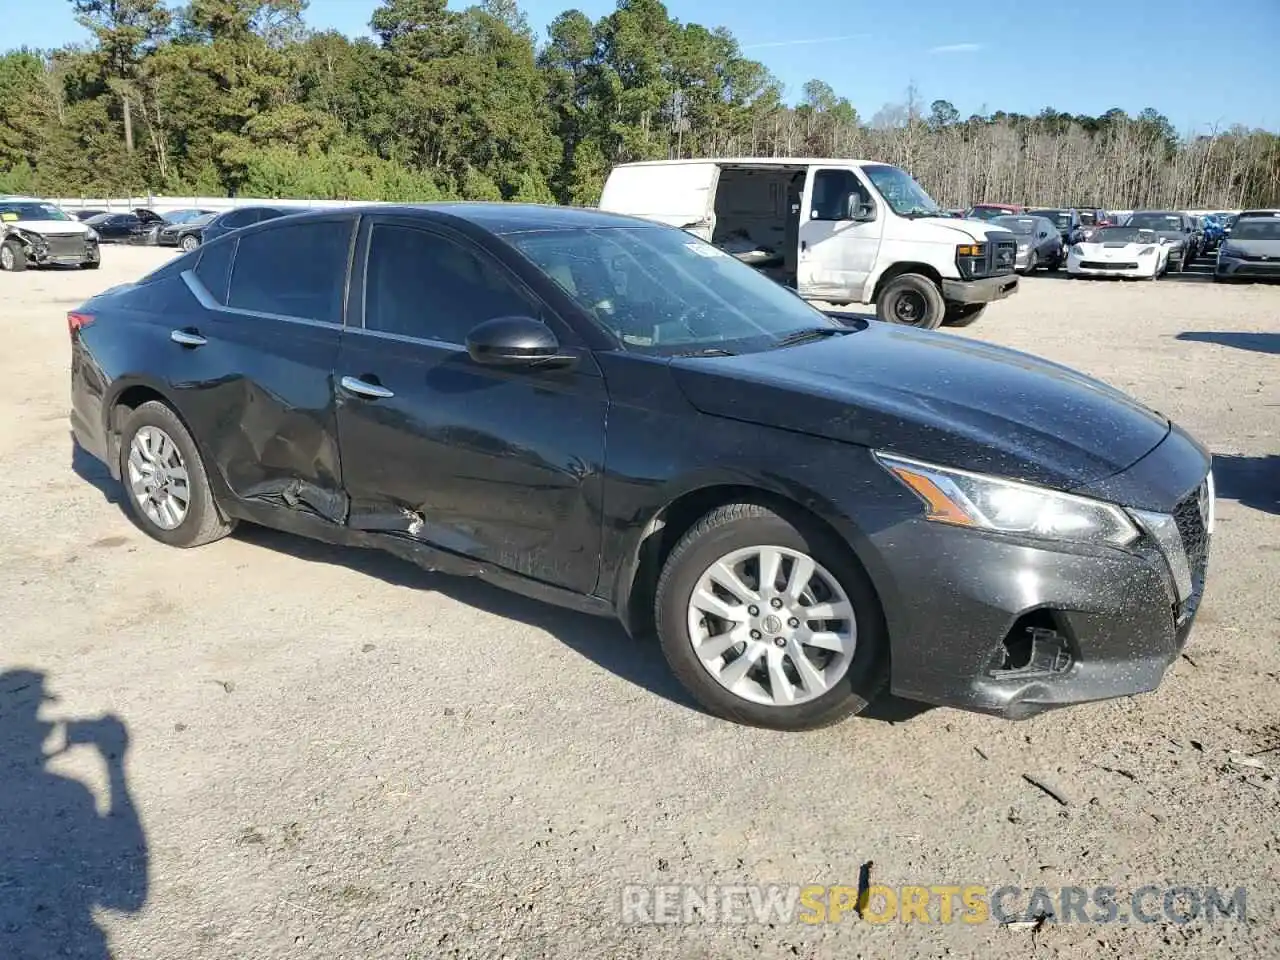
[334, 754]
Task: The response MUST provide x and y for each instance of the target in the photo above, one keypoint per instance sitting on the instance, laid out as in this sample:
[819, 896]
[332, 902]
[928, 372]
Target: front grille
[65, 247]
[1004, 255]
[1106, 265]
[1191, 516]
[1257, 257]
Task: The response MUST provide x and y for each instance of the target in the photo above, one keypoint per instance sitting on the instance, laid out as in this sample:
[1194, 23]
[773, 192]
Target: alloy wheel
[772, 625]
[158, 478]
[6, 258]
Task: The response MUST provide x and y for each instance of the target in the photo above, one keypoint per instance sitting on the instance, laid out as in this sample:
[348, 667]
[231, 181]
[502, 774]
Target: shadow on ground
[60, 859]
[1252, 481]
[93, 471]
[1257, 342]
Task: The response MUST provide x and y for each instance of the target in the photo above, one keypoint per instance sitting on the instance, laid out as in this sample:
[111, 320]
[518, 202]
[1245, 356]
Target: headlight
[1006, 506]
[92, 234]
[1146, 251]
[1077, 250]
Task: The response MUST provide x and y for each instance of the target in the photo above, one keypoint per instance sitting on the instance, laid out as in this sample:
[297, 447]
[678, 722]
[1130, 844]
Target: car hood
[1098, 246]
[1254, 248]
[50, 228]
[963, 229]
[934, 396]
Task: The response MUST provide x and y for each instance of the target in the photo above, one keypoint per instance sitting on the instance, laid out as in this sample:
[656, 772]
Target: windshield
[1123, 235]
[11, 210]
[1060, 218]
[661, 291]
[1156, 221]
[97, 218]
[1257, 228]
[1023, 226]
[901, 192]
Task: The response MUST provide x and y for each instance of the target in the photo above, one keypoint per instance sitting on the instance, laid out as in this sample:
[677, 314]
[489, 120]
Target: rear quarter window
[214, 268]
[173, 268]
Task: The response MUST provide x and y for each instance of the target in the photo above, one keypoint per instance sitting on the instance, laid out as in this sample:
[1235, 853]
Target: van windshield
[901, 192]
[662, 291]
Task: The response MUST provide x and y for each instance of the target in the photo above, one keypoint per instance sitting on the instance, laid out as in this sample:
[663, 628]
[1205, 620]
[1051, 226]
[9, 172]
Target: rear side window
[239, 218]
[293, 270]
[214, 267]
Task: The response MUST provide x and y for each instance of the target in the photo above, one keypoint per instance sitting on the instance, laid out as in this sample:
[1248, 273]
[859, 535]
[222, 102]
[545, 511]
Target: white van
[843, 231]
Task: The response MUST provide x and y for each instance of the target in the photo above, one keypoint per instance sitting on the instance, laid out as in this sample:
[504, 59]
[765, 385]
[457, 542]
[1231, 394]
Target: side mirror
[859, 211]
[516, 342]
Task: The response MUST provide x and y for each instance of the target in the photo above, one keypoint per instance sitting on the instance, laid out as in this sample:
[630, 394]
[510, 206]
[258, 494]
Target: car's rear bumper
[983, 290]
[1015, 627]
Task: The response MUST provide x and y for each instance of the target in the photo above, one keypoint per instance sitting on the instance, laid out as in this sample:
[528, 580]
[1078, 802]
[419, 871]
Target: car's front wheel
[164, 477]
[190, 243]
[13, 259]
[770, 622]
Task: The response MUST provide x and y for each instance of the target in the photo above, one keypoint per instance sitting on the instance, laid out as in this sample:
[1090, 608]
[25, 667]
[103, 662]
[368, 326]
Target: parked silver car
[1039, 242]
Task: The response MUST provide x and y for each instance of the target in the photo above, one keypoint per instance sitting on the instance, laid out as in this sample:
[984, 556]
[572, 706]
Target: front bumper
[67, 251]
[1232, 267]
[1138, 268]
[982, 290]
[1015, 628]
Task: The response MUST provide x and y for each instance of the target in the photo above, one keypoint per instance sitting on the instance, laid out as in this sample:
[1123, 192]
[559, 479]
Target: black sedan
[224, 223]
[187, 234]
[118, 227]
[1066, 219]
[613, 415]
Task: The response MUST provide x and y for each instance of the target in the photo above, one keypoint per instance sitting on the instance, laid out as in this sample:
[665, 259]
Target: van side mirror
[858, 210]
[516, 342]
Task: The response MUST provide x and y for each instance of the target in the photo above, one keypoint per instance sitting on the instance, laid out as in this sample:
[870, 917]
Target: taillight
[78, 321]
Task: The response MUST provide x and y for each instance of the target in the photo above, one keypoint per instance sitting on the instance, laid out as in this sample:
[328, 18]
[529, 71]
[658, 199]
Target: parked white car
[841, 231]
[36, 232]
[1120, 252]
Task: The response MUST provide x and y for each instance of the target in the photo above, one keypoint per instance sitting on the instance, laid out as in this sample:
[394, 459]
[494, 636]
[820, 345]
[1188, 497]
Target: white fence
[165, 204]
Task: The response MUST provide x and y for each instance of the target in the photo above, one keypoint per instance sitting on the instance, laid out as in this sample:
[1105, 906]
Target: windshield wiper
[705, 352]
[915, 213]
[804, 334]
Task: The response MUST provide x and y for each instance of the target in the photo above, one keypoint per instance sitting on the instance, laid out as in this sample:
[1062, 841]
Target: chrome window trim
[209, 303]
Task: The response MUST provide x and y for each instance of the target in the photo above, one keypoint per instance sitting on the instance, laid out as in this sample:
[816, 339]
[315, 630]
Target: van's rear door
[678, 194]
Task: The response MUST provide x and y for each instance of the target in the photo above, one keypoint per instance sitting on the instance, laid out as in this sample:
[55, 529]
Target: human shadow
[1251, 481]
[1242, 340]
[60, 859]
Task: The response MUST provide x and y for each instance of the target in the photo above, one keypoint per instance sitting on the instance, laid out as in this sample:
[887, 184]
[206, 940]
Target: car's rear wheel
[164, 477]
[91, 265]
[770, 622]
[13, 259]
[190, 243]
[912, 300]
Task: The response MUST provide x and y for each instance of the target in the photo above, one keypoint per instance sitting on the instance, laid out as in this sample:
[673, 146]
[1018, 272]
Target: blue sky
[1201, 64]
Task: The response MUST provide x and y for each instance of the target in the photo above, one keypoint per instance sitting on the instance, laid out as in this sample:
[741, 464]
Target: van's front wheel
[912, 300]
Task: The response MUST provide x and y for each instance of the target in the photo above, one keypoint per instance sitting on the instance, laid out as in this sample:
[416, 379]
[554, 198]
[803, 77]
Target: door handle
[187, 338]
[362, 388]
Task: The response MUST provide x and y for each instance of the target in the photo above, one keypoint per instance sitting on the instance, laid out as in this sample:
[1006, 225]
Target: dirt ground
[333, 754]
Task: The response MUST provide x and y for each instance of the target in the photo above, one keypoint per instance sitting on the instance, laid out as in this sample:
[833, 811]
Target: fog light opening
[1033, 647]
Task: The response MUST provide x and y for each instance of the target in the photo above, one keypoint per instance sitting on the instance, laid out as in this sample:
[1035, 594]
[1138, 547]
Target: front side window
[831, 192]
[424, 285]
[661, 291]
[294, 270]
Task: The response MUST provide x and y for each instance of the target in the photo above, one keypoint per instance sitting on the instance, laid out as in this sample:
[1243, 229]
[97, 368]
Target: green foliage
[219, 96]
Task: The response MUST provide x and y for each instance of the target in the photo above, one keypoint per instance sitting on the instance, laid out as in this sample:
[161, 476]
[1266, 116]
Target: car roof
[497, 218]
[1259, 213]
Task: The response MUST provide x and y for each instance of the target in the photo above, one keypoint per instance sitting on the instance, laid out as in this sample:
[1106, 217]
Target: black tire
[16, 261]
[189, 243]
[743, 525]
[911, 300]
[963, 314]
[203, 523]
[91, 265]
[1182, 264]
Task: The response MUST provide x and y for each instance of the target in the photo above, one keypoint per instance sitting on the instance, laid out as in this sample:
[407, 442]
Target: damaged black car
[807, 509]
